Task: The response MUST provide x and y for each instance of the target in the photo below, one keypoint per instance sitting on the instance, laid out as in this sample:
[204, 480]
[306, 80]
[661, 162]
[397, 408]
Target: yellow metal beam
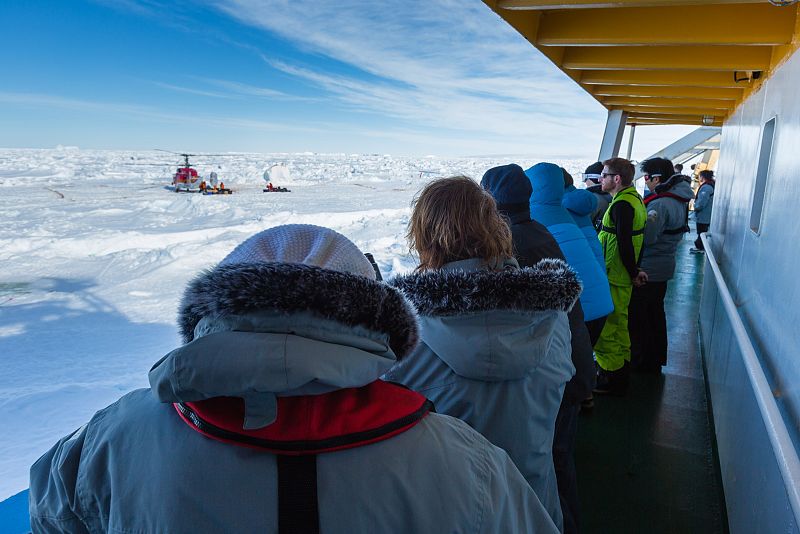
[700, 103]
[676, 119]
[707, 58]
[746, 24]
[672, 119]
[580, 4]
[690, 118]
[675, 91]
[525, 22]
[634, 110]
[686, 78]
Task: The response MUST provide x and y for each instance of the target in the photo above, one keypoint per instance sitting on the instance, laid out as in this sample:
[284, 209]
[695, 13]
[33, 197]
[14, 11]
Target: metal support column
[631, 134]
[612, 138]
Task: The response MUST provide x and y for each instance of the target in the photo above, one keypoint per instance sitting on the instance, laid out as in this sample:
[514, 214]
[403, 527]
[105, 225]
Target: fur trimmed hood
[347, 298]
[548, 285]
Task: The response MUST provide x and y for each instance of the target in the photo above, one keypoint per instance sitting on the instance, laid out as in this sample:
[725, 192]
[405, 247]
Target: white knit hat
[306, 244]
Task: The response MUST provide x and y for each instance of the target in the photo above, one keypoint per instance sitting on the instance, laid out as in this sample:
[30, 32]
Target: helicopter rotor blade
[183, 154]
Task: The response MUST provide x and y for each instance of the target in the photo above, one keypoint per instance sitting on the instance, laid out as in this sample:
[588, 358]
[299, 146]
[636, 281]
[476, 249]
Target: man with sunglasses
[621, 235]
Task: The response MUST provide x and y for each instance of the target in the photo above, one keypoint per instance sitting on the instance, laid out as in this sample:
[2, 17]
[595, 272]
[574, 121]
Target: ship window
[764, 157]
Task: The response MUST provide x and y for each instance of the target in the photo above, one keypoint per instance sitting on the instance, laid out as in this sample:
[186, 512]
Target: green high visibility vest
[616, 271]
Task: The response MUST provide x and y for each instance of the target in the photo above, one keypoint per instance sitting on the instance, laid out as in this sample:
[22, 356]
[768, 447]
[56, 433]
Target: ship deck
[647, 462]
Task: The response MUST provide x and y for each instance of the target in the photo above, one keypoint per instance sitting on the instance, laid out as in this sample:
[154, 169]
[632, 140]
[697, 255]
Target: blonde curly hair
[455, 219]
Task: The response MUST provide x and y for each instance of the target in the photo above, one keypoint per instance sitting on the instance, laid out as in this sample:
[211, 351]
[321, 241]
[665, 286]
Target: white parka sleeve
[509, 504]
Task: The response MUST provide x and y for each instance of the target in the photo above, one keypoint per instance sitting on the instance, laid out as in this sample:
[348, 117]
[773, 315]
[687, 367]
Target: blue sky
[444, 77]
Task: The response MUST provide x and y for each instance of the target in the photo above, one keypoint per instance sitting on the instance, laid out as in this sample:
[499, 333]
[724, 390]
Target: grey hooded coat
[495, 353]
[666, 224]
[257, 332]
[704, 203]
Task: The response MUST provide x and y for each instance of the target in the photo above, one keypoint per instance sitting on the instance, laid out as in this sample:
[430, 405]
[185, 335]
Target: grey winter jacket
[703, 204]
[257, 332]
[665, 216]
[495, 353]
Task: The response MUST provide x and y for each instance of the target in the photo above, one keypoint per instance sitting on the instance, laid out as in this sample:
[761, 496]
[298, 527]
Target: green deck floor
[646, 462]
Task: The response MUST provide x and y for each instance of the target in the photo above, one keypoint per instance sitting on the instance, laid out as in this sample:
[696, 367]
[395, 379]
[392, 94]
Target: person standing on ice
[271, 417]
[495, 348]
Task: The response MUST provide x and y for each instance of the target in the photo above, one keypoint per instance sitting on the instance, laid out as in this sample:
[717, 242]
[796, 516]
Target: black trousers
[564, 462]
[647, 326]
[595, 327]
[698, 243]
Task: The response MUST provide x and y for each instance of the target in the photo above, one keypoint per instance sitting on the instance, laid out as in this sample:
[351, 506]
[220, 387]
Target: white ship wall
[762, 272]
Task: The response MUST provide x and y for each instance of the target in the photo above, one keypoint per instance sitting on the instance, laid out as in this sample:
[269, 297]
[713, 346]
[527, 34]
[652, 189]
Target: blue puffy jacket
[581, 204]
[547, 181]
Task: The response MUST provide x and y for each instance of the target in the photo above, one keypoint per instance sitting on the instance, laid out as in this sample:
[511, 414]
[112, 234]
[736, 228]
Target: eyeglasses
[604, 174]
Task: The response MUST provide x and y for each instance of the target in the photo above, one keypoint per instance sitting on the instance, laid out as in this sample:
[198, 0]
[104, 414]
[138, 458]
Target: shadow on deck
[647, 462]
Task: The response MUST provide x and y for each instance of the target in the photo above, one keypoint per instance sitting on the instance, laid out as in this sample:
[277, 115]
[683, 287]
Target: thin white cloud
[253, 90]
[192, 90]
[233, 90]
[446, 64]
[56, 101]
[110, 109]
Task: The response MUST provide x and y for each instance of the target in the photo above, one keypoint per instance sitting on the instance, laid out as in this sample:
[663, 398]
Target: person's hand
[641, 279]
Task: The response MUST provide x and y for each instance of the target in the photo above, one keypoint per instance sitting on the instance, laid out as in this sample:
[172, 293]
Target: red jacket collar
[341, 419]
[649, 199]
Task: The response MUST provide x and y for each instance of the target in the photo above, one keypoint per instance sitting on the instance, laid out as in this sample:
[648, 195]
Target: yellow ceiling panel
[701, 103]
[677, 91]
[678, 59]
[706, 58]
[581, 4]
[682, 78]
[670, 110]
[731, 26]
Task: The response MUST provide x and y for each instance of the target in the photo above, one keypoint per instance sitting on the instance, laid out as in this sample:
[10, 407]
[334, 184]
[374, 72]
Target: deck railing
[779, 437]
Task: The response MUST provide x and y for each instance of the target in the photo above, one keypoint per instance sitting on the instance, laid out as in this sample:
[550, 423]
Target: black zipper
[304, 445]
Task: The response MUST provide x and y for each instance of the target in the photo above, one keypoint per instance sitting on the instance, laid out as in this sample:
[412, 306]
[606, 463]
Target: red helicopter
[185, 178]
